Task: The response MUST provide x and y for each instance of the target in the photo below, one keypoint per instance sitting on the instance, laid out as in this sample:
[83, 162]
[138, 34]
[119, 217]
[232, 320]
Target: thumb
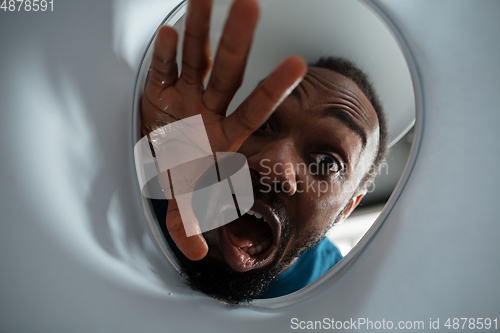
[194, 247]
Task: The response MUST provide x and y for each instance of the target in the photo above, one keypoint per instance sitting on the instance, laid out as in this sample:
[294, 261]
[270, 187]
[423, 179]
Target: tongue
[248, 231]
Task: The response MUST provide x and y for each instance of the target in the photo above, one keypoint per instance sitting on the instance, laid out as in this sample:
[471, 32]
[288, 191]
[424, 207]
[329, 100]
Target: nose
[276, 166]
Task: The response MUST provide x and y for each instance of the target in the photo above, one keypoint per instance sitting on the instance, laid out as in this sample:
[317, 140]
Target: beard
[216, 279]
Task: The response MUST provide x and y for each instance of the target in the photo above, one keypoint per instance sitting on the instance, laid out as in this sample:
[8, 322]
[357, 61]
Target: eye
[265, 127]
[327, 163]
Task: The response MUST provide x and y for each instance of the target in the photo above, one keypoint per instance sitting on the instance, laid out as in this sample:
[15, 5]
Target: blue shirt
[309, 266]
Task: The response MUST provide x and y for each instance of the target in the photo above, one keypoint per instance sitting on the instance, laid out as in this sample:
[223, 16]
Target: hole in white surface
[367, 42]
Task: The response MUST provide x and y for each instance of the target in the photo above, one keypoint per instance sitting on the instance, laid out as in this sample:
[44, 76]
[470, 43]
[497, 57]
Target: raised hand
[169, 97]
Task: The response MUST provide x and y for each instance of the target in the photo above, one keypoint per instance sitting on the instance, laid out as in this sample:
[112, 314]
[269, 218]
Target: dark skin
[299, 131]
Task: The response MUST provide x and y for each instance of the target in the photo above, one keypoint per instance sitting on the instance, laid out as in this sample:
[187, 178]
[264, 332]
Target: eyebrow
[347, 119]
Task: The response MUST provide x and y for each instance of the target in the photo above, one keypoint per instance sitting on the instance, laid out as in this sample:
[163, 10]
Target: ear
[353, 203]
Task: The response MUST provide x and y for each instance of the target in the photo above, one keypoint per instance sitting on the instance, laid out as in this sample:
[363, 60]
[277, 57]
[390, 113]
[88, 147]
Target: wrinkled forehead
[323, 87]
[326, 93]
[322, 83]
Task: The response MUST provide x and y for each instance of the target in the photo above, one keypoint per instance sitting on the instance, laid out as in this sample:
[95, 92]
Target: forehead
[324, 90]
[328, 104]
[321, 85]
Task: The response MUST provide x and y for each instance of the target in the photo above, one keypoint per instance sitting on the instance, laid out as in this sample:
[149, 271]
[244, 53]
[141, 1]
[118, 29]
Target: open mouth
[250, 241]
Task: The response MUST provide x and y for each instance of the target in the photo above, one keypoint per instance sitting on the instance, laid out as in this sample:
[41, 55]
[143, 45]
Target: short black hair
[351, 71]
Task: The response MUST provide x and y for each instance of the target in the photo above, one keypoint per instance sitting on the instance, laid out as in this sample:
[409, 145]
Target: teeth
[257, 249]
[257, 215]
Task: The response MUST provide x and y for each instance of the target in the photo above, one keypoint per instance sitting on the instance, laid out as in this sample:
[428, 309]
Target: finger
[194, 247]
[196, 55]
[163, 72]
[232, 55]
[259, 106]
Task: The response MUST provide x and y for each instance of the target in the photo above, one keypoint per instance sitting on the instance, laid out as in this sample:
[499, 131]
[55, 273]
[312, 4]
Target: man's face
[306, 163]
